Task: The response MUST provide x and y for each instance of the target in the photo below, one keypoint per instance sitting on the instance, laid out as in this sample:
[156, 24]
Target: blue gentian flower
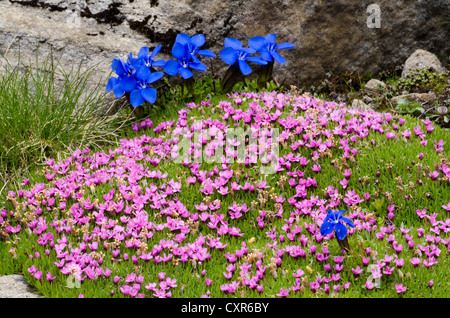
[134, 75]
[136, 85]
[144, 55]
[181, 65]
[267, 47]
[332, 222]
[235, 53]
[122, 69]
[194, 45]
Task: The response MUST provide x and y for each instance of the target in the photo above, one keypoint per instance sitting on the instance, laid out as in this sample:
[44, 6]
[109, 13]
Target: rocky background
[331, 36]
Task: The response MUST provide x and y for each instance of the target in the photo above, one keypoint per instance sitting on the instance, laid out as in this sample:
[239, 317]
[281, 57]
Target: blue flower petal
[228, 55]
[326, 228]
[244, 67]
[271, 38]
[118, 90]
[185, 73]
[155, 51]
[285, 46]
[178, 51]
[198, 40]
[171, 67]
[233, 43]
[266, 55]
[257, 60]
[119, 67]
[248, 50]
[348, 221]
[143, 52]
[149, 94]
[159, 63]
[206, 53]
[195, 59]
[111, 83]
[256, 42]
[341, 231]
[183, 38]
[128, 83]
[142, 73]
[198, 66]
[136, 98]
[277, 57]
[153, 77]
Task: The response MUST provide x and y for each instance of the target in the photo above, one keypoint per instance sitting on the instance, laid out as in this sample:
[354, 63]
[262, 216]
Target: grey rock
[421, 98]
[330, 36]
[366, 99]
[15, 286]
[359, 104]
[374, 87]
[422, 59]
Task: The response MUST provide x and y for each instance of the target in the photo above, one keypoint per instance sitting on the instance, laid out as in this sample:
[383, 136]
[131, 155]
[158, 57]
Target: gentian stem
[265, 74]
[232, 76]
[189, 84]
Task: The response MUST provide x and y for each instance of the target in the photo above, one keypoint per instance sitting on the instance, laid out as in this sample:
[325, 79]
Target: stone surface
[359, 104]
[330, 36]
[15, 286]
[424, 98]
[421, 59]
[374, 87]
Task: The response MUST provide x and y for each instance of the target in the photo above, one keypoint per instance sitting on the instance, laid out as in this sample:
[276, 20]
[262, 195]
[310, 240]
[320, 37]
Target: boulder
[330, 36]
[359, 104]
[15, 286]
[374, 87]
[423, 99]
[422, 59]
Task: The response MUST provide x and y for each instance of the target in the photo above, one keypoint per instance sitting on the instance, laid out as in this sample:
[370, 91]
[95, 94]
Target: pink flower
[32, 270]
[415, 261]
[314, 286]
[390, 135]
[126, 289]
[151, 286]
[400, 262]
[369, 285]
[344, 183]
[130, 278]
[366, 261]
[439, 145]
[338, 259]
[400, 288]
[357, 271]
[299, 273]
[283, 292]
[347, 173]
[38, 275]
[316, 168]
[434, 175]
[49, 277]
